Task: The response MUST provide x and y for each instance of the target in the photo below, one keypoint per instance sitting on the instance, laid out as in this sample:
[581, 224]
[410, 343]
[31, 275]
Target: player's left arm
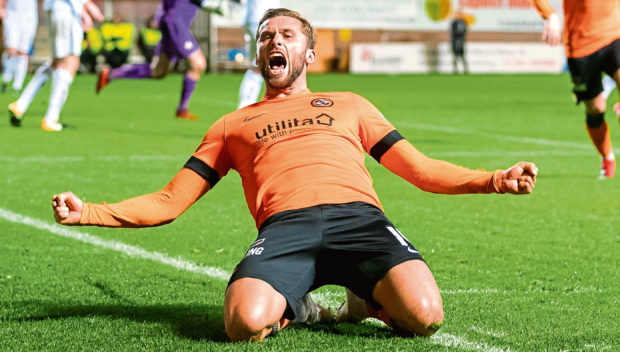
[381, 140]
[440, 176]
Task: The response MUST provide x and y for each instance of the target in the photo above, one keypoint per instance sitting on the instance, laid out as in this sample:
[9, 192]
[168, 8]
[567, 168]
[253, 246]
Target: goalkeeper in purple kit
[177, 42]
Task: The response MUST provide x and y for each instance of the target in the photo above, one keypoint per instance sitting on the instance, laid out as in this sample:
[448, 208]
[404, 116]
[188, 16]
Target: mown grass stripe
[129, 250]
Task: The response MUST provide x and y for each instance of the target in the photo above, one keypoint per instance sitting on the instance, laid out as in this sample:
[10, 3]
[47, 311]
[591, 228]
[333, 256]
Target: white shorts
[18, 32]
[66, 32]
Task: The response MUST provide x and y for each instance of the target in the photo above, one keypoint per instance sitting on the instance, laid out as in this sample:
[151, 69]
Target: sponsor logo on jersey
[322, 102]
[284, 127]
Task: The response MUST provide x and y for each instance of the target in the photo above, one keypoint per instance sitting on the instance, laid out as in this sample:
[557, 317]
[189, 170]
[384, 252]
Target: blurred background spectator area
[360, 36]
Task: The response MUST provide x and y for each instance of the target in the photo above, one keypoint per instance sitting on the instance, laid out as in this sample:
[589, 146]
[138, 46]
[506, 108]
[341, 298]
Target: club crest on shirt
[322, 102]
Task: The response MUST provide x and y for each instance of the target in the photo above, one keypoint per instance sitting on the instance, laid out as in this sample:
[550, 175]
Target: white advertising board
[427, 15]
[481, 57]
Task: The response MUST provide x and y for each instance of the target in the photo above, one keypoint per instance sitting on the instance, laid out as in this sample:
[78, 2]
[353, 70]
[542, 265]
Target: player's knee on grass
[247, 325]
[423, 322]
[251, 308]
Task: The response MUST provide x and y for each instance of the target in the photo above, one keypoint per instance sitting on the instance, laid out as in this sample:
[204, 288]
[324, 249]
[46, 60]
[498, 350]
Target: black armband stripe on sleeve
[385, 144]
[204, 170]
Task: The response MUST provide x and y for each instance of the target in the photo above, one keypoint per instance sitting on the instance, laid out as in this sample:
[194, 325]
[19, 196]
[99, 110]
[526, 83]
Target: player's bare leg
[197, 65]
[599, 133]
[251, 309]
[409, 297]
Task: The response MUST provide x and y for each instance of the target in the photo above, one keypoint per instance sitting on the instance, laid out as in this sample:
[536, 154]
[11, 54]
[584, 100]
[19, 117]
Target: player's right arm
[440, 176]
[381, 140]
[203, 170]
[153, 209]
[552, 33]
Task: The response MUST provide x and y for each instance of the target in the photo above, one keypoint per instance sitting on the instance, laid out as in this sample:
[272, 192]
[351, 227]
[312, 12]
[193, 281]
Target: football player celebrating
[592, 42]
[177, 42]
[300, 156]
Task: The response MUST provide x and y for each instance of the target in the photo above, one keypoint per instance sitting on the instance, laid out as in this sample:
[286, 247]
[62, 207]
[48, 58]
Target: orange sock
[600, 138]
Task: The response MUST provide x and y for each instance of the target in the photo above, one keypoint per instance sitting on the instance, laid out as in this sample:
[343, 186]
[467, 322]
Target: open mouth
[277, 63]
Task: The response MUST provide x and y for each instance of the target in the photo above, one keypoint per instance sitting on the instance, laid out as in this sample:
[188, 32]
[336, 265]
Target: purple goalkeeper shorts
[177, 40]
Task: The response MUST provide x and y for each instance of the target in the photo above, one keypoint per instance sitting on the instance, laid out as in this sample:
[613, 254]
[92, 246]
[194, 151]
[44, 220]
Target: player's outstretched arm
[439, 176]
[153, 209]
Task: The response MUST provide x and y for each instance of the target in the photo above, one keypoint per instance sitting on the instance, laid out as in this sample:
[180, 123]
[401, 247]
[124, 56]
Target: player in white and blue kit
[19, 24]
[67, 21]
[253, 81]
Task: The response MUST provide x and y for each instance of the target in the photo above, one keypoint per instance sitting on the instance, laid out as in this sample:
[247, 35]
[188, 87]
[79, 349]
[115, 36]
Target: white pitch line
[444, 339]
[470, 291]
[131, 251]
[73, 159]
[450, 340]
[528, 140]
[524, 153]
[487, 331]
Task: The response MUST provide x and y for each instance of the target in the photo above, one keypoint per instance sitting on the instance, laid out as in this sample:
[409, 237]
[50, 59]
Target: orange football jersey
[298, 151]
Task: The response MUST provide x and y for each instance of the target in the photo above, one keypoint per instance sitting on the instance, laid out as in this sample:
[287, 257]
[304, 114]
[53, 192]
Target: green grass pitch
[517, 273]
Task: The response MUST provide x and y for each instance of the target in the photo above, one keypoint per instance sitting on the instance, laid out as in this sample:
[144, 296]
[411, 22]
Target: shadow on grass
[363, 330]
[196, 322]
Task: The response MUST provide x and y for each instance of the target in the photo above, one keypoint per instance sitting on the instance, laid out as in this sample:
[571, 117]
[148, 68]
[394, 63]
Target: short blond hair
[305, 25]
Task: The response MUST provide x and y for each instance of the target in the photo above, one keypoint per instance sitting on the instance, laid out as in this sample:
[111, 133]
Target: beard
[296, 68]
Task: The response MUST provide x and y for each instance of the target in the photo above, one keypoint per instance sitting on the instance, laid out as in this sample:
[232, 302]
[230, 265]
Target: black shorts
[586, 71]
[352, 245]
